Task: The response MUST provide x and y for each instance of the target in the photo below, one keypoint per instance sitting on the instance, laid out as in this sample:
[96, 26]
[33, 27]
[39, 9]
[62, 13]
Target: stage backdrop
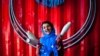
[30, 15]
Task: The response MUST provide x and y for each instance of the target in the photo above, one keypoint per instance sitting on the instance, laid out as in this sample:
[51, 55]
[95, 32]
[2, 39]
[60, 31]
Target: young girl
[48, 44]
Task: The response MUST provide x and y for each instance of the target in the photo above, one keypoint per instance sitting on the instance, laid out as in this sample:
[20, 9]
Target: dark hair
[48, 22]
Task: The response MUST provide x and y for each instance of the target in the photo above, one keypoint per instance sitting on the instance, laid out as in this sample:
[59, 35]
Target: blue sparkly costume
[49, 44]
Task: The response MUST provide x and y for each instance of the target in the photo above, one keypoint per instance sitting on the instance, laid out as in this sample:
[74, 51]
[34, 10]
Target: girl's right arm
[37, 50]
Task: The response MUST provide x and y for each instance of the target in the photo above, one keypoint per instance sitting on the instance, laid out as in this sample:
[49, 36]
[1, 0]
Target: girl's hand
[58, 38]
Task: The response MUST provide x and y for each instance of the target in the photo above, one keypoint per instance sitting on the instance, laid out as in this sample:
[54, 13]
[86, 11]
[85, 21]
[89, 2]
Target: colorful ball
[50, 3]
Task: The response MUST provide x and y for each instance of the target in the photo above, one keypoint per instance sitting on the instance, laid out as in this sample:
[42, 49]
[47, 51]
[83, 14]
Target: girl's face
[46, 28]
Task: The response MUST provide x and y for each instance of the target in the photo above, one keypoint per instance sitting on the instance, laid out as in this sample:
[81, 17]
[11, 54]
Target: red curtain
[30, 15]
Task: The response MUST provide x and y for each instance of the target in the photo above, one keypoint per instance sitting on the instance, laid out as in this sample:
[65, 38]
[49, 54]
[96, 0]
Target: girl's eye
[43, 27]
